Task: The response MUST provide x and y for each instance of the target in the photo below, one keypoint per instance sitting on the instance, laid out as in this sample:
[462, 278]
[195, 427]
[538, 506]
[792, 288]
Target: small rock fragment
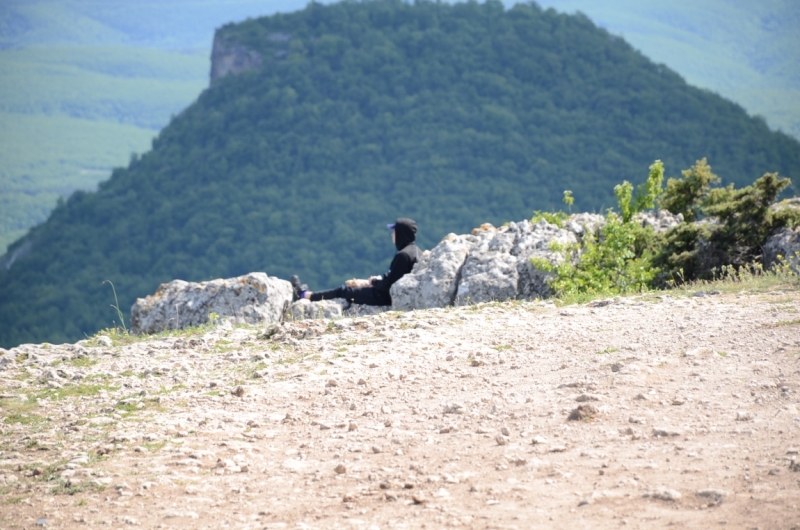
[501, 440]
[377, 449]
[238, 391]
[538, 440]
[418, 498]
[505, 431]
[743, 415]
[340, 469]
[332, 382]
[588, 397]
[352, 427]
[361, 381]
[583, 412]
[664, 494]
[716, 495]
[666, 431]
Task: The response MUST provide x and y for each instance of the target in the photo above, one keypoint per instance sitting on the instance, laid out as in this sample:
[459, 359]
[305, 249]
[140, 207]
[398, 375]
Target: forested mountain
[454, 115]
[88, 82]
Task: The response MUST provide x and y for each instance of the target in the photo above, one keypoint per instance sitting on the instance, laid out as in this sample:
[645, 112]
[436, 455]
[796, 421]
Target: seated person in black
[374, 291]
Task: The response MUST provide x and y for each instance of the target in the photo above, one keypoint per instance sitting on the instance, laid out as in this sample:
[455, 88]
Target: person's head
[404, 232]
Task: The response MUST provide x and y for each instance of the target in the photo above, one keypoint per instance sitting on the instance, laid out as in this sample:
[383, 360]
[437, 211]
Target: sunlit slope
[68, 115]
[746, 51]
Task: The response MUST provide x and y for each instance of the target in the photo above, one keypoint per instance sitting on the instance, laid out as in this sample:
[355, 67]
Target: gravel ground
[639, 412]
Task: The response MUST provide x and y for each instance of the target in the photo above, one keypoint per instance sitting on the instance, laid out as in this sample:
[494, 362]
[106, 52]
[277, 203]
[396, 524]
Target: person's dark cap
[410, 223]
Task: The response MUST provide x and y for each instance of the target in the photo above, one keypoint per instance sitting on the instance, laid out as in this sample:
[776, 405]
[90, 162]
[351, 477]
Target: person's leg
[355, 295]
[339, 292]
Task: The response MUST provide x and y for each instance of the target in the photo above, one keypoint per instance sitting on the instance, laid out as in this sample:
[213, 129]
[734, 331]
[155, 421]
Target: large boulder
[491, 264]
[786, 244]
[434, 280]
[252, 299]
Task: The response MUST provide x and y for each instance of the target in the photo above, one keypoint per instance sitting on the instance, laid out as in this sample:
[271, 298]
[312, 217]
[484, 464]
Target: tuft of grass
[20, 411]
[83, 362]
[81, 390]
[607, 350]
[63, 487]
[155, 447]
[787, 323]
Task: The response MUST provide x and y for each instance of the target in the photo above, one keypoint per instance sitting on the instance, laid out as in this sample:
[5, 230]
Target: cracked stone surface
[441, 417]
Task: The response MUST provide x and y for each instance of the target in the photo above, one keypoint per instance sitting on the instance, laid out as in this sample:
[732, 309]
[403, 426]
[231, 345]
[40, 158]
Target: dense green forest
[87, 82]
[454, 115]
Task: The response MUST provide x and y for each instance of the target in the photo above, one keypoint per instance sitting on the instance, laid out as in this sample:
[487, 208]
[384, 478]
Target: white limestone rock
[785, 243]
[434, 279]
[491, 264]
[252, 299]
[335, 308]
[304, 309]
[658, 220]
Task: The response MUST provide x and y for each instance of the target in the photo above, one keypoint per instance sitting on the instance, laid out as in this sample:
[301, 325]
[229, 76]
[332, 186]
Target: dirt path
[430, 419]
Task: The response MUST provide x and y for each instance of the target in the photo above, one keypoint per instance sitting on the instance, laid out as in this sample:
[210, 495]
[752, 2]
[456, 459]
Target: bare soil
[688, 418]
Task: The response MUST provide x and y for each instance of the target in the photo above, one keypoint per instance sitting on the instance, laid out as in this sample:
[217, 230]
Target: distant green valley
[84, 111]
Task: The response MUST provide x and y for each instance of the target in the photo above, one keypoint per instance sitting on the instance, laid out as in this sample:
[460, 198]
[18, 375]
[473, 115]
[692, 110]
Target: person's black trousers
[355, 295]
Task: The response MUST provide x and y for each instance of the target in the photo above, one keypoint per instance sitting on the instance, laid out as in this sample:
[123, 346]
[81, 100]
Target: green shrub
[688, 195]
[620, 259]
[738, 224]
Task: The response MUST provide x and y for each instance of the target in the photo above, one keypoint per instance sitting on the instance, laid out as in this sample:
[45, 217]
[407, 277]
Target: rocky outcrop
[494, 264]
[491, 264]
[252, 299]
[658, 220]
[786, 244]
[231, 58]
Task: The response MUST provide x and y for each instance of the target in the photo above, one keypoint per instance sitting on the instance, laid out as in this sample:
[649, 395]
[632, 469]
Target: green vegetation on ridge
[453, 115]
[83, 112]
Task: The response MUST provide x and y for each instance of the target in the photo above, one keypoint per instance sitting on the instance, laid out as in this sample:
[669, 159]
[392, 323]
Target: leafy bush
[687, 196]
[735, 227]
[620, 259]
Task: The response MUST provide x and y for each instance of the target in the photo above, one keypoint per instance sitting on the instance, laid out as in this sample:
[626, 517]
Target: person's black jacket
[405, 233]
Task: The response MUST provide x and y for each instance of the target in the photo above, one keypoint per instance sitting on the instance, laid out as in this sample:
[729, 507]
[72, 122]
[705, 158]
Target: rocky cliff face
[228, 57]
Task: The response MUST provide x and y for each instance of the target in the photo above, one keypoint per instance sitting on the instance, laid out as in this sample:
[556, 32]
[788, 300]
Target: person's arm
[399, 266]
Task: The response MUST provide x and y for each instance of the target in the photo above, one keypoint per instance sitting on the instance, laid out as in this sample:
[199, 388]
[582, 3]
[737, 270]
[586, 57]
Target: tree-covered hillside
[454, 115]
